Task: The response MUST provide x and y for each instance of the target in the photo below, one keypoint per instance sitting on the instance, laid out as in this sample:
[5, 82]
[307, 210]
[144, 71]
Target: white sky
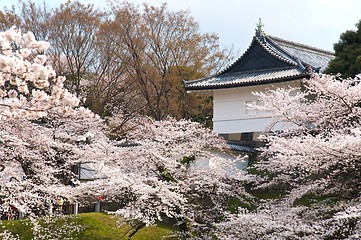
[318, 23]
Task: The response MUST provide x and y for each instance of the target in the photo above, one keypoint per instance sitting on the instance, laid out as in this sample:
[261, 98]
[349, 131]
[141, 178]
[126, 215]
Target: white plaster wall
[230, 114]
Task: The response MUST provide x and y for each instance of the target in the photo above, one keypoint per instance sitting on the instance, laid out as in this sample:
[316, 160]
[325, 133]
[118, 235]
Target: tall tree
[28, 16]
[159, 47]
[348, 54]
[73, 29]
[107, 89]
[8, 18]
[35, 18]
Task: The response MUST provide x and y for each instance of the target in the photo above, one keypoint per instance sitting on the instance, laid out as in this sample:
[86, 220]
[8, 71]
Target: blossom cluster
[29, 87]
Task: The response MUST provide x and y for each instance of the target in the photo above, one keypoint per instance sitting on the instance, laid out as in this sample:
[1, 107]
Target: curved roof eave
[244, 84]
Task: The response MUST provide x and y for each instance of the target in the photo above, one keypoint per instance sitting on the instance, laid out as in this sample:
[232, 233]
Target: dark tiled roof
[240, 148]
[127, 144]
[312, 56]
[245, 78]
[271, 49]
[299, 58]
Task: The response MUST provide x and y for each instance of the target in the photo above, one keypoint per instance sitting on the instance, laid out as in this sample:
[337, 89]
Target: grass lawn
[93, 226]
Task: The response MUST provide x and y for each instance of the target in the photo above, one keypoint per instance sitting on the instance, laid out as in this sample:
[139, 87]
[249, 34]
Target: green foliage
[165, 174]
[310, 199]
[235, 203]
[187, 160]
[348, 54]
[269, 195]
[262, 173]
[93, 226]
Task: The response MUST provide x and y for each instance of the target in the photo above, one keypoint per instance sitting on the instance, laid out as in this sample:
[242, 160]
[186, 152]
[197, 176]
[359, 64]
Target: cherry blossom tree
[315, 160]
[29, 87]
[40, 122]
[156, 173]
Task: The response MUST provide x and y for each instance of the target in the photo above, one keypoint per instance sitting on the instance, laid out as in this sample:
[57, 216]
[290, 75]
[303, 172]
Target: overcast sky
[318, 23]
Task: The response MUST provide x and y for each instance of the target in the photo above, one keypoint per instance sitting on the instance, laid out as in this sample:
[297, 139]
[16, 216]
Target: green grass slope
[86, 226]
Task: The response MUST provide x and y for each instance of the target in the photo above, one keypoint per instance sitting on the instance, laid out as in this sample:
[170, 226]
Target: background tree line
[347, 61]
[129, 59]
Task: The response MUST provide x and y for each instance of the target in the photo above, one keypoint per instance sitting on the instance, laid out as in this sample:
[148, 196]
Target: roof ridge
[261, 70]
[271, 51]
[300, 45]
